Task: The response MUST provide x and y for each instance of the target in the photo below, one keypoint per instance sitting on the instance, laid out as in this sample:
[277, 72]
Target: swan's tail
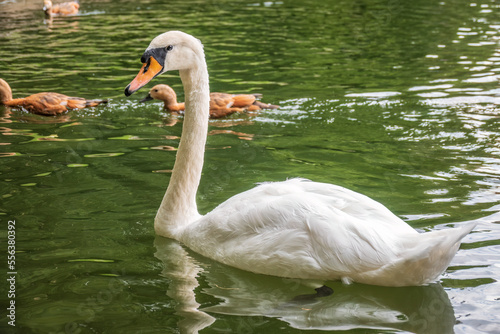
[425, 257]
[433, 251]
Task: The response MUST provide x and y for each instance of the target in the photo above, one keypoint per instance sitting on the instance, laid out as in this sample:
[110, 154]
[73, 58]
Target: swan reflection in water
[422, 309]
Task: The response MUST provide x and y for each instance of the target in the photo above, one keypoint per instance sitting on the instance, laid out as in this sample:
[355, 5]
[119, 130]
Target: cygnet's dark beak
[147, 98]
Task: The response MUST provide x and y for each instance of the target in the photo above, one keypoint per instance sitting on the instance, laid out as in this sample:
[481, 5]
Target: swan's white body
[296, 228]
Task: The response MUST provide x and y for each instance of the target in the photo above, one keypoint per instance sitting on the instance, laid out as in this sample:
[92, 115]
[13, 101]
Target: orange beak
[148, 71]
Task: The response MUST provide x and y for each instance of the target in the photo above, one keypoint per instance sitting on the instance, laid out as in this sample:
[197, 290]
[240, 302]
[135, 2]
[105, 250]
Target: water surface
[395, 99]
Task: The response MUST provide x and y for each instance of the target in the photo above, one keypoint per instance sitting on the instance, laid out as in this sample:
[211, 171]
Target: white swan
[296, 228]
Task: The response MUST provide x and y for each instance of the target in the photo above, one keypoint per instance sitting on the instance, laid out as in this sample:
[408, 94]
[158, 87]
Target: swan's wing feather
[323, 228]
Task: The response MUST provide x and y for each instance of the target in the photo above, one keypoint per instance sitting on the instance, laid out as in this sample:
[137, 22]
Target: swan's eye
[169, 48]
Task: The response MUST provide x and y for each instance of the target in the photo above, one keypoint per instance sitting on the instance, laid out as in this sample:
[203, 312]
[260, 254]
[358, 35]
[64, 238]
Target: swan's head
[5, 91]
[173, 50]
[161, 92]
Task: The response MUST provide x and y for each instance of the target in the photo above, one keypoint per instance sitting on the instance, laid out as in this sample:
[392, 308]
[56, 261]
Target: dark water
[394, 99]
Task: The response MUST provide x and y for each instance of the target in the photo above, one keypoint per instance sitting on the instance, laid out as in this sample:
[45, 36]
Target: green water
[395, 99]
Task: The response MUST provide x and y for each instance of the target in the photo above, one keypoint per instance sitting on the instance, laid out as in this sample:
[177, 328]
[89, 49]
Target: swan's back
[304, 229]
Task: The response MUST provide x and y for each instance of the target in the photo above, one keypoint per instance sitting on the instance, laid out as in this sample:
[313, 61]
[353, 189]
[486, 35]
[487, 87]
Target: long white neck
[178, 207]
